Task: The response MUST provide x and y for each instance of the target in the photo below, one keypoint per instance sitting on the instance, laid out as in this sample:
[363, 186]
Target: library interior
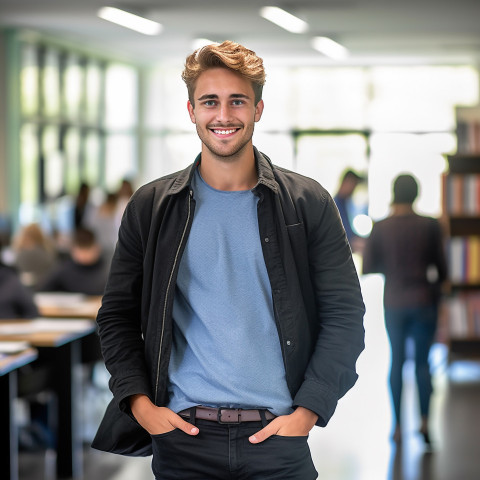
[92, 108]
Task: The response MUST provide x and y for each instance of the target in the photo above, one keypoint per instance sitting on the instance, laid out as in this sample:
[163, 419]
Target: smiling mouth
[224, 131]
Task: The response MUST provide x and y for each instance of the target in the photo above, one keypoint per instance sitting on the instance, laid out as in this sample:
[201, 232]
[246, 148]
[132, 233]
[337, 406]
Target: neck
[402, 209]
[229, 174]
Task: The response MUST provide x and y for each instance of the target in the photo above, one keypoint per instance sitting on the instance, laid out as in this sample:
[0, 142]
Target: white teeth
[224, 132]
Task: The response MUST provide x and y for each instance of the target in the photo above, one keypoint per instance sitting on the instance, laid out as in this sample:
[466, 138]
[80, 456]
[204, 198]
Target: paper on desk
[13, 347]
[45, 325]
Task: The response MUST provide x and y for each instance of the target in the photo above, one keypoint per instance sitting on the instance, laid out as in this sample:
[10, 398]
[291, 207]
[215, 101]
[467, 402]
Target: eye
[209, 103]
[238, 102]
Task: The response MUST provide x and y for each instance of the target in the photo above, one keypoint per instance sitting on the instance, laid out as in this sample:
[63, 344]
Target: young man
[233, 318]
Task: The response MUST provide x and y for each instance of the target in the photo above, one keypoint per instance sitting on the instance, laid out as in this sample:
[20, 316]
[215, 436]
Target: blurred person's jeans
[419, 324]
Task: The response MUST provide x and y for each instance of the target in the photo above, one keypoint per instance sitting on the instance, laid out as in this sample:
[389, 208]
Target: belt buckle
[228, 422]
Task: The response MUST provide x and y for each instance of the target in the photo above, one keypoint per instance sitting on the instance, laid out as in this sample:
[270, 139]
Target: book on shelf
[464, 315]
[464, 259]
[468, 129]
[468, 137]
[463, 194]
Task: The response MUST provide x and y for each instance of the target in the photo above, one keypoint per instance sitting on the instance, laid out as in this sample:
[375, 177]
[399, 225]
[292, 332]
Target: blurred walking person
[408, 250]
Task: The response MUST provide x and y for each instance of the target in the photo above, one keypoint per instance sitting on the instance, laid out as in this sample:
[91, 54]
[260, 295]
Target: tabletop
[71, 305]
[12, 361]
[45, 332]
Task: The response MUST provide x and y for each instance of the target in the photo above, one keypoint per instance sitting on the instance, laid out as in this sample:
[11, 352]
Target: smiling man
[233, 318]
[224, 120]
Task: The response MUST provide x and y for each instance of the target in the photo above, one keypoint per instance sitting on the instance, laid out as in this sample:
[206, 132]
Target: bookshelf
[461, 206]
[468, 129]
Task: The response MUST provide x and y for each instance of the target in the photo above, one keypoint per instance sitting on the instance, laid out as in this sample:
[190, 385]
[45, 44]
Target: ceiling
[374, 31]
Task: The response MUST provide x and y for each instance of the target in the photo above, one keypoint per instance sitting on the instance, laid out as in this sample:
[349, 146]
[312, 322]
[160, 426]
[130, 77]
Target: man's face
[224, 112]
[85, 255]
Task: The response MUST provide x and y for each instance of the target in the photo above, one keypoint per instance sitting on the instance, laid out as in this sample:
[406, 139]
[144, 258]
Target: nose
[224, 113]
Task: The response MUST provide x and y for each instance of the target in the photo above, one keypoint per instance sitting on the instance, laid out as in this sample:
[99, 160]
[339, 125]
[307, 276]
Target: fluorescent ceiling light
[284, 19]
[330, 48]
[129, 20]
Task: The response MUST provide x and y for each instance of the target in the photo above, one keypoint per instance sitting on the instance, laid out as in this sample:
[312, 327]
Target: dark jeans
[420, 324]
[223, 452]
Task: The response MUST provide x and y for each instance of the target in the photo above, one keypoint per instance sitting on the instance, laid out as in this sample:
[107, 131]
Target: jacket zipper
[164, 315]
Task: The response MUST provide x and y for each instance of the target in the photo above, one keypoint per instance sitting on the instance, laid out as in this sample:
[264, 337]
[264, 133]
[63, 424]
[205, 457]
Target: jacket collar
[265, 171]
[264, 168]
[184, 178]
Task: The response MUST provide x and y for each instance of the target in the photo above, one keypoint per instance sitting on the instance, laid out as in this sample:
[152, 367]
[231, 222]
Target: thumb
[186, 427]
[263, 434]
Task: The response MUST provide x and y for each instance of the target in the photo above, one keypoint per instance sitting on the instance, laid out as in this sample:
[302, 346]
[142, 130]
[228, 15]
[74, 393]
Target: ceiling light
[284, 19]
[330, 48]
[129, 20]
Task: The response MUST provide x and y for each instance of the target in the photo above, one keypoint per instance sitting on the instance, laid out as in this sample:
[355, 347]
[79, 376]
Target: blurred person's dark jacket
[74, 277]
[16, 300]
[85, 271]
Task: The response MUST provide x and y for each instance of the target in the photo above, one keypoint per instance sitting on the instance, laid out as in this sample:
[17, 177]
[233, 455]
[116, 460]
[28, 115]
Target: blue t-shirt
[226, 350]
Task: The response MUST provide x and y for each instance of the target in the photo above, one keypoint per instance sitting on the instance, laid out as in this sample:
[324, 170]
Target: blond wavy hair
[229, 55]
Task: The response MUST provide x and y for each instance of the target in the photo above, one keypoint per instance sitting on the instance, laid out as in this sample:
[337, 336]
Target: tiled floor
[356, 443]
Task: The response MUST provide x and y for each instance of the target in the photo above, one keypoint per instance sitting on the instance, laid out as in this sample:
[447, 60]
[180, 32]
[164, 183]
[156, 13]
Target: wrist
[139, 403]
[307, 415]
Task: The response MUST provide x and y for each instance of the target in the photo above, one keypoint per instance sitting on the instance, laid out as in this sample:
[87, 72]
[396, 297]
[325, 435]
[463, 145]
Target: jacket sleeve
[119, 318]
[331, 371]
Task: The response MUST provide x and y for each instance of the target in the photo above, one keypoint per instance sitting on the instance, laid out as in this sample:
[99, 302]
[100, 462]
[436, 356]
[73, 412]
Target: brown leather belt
[227, 415]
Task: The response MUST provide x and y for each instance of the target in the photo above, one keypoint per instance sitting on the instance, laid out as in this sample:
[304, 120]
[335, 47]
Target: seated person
[35, 254]
[16, 300]
[85, 271]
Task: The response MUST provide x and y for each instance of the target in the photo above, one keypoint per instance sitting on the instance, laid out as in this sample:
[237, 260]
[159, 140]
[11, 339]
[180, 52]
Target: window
[29, 80]
[326, 157]
[53, 162]
[51, 83]
[79, 123]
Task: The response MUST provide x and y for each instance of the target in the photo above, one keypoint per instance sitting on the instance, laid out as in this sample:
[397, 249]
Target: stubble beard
[234, 150]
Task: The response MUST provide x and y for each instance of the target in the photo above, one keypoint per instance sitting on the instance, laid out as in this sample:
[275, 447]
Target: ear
[259, 110]
[191, 112]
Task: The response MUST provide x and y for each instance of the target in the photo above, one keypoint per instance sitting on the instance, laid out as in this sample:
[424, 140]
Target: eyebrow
[212, 96]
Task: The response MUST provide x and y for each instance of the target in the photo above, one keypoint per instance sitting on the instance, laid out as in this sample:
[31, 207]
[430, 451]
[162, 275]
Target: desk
[8, 429]
[70, 305]
[58, 341]
[73, 305]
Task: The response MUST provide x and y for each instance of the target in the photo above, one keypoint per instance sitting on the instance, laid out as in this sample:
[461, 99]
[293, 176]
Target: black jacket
[16, 300]
[71, 276]
[317, 300]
